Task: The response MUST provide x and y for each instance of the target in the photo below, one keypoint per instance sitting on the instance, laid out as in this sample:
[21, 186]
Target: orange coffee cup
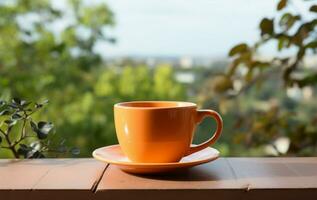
[160, 131]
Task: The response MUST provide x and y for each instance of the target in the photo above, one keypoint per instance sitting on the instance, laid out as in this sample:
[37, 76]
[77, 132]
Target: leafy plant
[24, 137]
[289, 30]
[294, 33]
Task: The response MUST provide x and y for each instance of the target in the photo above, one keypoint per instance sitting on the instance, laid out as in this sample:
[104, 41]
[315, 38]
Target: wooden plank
[74, 174]
[224, 173]
[215, 174]
[226, 178]
[276, 173]
[50, 174]
[23, 174]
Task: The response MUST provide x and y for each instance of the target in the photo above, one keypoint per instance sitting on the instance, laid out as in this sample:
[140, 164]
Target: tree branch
[23, 126]
[11, 147]
[247, 86]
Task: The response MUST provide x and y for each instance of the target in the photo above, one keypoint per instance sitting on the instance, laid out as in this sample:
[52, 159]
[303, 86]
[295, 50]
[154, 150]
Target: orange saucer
[114, 155]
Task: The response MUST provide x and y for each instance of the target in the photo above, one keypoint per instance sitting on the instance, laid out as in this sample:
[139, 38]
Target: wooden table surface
[225, 178]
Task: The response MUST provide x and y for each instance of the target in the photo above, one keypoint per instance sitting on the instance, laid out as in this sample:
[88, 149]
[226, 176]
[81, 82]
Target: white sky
[185, 27]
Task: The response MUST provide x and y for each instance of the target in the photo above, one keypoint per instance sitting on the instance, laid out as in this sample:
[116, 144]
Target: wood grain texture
[225, 178]
[213, 175]
[224, 173]
[50, 174]
[19, 175]
[74, 174]
[276, 173]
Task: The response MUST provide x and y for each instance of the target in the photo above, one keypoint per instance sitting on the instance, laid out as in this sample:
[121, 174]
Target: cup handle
[201, 114]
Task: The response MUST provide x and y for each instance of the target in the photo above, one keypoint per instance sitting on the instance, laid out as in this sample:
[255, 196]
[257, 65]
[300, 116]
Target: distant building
[186, 62]
[185, 77]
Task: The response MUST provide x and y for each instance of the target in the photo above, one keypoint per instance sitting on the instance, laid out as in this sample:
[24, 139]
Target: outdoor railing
[225, 178]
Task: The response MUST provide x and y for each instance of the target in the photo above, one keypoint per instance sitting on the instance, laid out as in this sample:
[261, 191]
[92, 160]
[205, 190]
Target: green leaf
[260, 64]
[16, 116]
[39, 105]
[33, 126]
[221, 84]
[267, 26]
[45, 126]
[36, 145]
[240, 48]
[313, 8]
[45, 101]
[312, 45]
[7, 121]
[25, 103]
[30, 151]
[59, 48]
[14, 105]
[43, 129]
[10, 122]
[288, 20]
[283, 41]
[302, 33]
[280, 43]
[16, 101]
[4, 112]
[26, 151]
[2, 103]
[23, 150]
[308, 80]
[281, 4]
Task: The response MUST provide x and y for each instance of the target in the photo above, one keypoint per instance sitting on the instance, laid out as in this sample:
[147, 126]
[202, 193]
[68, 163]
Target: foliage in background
[47, 53]
[273, 117]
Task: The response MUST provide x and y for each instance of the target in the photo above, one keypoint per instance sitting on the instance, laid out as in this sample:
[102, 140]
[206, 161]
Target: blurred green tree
[265, 115]
[49, 53]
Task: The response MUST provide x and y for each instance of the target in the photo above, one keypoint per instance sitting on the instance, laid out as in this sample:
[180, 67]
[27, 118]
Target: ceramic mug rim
[137, 105]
